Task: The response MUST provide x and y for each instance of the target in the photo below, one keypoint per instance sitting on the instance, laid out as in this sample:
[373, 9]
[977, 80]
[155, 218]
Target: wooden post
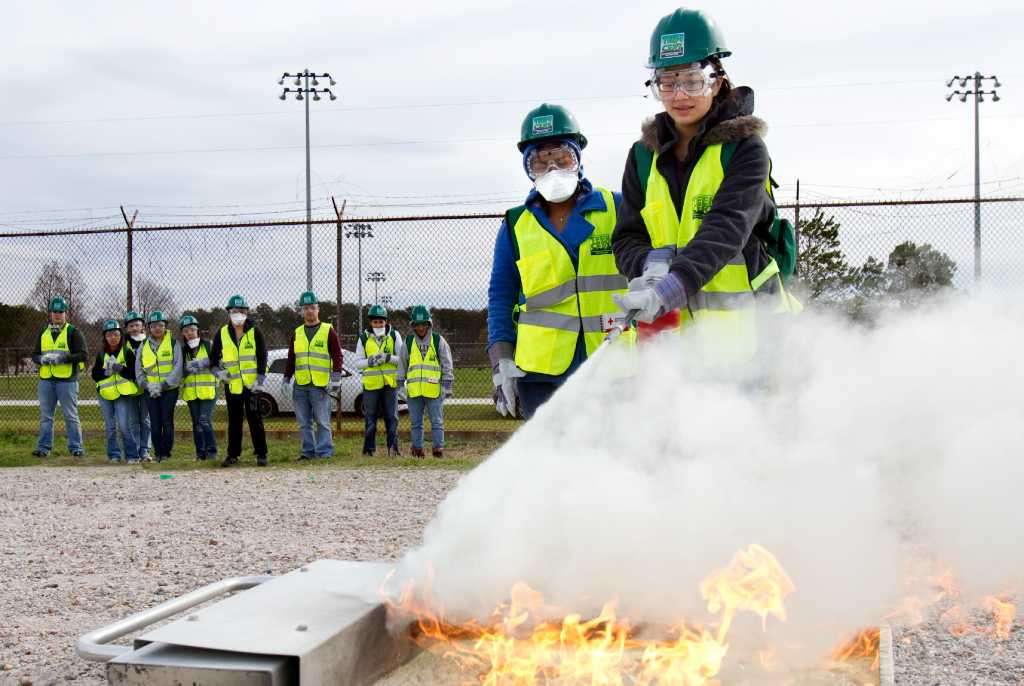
[337, 276]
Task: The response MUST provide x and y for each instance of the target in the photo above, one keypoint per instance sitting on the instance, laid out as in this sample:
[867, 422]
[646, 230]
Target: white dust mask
[138, 337]
[379, 330]
[557, 185]
[193, 343]
[237, 318]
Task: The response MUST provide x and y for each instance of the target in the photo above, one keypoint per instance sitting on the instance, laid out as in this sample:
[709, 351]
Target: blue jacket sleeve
[504, 290]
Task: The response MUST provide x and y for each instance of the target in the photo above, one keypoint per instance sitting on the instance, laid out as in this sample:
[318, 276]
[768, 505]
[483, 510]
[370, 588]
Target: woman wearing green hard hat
[553, 274]
[117, 390]
[135, 335]
[158, 372]
[697, 196]
[198, 387]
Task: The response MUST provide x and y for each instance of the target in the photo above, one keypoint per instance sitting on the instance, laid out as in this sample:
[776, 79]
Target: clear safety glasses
[694, 81]
[544, 158]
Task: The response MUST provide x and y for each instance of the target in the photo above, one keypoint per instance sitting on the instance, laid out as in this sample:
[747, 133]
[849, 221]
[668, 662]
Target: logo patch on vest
[543, 125]
[673, 45]
[702, 205]
[601, 244]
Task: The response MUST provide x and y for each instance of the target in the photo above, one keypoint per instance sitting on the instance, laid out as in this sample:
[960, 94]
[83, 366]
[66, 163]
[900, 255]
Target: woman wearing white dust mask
[135, 334]
[698, 231]
[158, 373]
[553, 275]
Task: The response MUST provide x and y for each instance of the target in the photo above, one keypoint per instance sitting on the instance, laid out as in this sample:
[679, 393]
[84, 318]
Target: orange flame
[519, 647]
[863, 645]
[1003, 613]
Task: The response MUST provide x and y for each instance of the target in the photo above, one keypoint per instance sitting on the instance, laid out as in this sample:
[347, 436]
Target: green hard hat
[57, 304]
[156, 316]
[377, 312]
[550, 122]
[132, 316]
[308, 298]
[420, 315]
[111, 325]
[187, 320]
[683, 37]
[237, 302]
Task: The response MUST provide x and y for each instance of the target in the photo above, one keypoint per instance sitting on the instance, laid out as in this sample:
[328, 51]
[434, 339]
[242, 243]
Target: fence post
[130, 223]
[337, 276]
[796, 229]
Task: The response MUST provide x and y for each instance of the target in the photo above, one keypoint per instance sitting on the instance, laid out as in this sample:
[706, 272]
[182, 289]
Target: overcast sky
[173, 110]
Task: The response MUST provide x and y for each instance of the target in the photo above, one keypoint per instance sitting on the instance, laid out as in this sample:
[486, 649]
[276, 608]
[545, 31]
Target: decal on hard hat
[673, 45]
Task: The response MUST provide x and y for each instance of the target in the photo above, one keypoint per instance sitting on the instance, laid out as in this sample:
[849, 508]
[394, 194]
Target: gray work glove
[656, 265]
[260, 384]
[286, 383]
[379, 359]
[222, 375]
[334, 385]
[114, 367]
[650, 303]
[154, 390]
[446, 388]
[192, 366]
[505, 389]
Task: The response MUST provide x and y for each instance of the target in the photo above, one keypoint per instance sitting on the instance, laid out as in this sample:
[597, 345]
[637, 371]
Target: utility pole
[131, 224]
[796, 229]
[360, 231]
[978, 94]
[377, 278]
[302, 80]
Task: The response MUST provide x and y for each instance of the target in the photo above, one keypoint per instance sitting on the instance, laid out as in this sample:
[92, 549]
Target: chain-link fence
[439, 261]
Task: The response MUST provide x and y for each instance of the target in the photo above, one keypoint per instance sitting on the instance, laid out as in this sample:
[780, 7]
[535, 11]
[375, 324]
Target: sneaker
[114, 460]
[261, 460]
[229, 462]
[438, 452]
[418, 452]
[147, 458]
[303, 458]
[40, 453]
[135, 461]
[394, 452]
[77, 453]
[367, 453]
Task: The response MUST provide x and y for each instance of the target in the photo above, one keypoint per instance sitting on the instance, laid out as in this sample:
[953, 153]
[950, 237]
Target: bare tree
[63, 279]
[149, 295]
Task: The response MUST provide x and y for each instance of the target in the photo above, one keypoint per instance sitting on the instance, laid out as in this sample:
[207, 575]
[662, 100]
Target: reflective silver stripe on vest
[203, 383]
[585, 284]
[563, 322]
[378, 372]
[315, 356]
[246, 358]
[720, 301]
[428, 367]
[770, 287]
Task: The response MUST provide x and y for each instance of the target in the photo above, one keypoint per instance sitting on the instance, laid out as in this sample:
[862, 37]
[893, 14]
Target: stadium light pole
[360, 231]
[977, 93]
[303, 91]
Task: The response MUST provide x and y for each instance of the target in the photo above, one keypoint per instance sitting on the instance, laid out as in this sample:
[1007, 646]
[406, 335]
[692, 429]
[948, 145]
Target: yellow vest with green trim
[423, 377]
[238, 361]
[725, 307]
[114, 386]
[312, 357]
[47, 344]
[562, 300]
[376, 378]
[203, 384]
[157, 366]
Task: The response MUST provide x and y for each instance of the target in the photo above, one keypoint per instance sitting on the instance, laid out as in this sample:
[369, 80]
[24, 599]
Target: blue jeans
[140, 421]
[533, 394]
[380, 403]
[435, 410]
[313, 407]
[202, 427]
[52, 391]
[117, 419]
[161, 421]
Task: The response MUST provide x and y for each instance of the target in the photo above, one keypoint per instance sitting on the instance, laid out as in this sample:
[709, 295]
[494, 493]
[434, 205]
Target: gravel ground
[80, 547]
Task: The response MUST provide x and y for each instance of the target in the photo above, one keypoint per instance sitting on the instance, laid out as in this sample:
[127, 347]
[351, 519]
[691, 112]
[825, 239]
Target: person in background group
[313, 370]
[116, 387]
[135, 333]
[239, 360]
[60, 353]
[198, 387]
[158, 369]
[377, 354]
[425, 367]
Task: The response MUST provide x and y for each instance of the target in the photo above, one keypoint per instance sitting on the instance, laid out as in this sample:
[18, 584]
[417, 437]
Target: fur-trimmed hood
[732, 121]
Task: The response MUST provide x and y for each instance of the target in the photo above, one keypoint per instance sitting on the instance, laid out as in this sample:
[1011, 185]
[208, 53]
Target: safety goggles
[545, 158]
[694, 81]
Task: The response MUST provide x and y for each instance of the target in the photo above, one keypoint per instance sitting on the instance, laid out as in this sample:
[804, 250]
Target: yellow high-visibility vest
[563, 300]
[47, 344]
[376, 378]
[312, 357]
[423, 377]
[238, 361]
[203, 384]
[159, 365]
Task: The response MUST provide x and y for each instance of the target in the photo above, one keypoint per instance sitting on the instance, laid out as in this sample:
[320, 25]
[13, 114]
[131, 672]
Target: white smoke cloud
[643, 475]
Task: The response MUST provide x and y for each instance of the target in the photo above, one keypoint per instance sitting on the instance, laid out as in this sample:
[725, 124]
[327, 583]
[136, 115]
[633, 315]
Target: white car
[276, 400]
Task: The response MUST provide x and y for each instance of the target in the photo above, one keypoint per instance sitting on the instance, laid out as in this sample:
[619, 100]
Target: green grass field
[16, 448]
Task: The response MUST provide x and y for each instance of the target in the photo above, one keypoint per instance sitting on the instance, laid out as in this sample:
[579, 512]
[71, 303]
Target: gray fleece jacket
[173, 379]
